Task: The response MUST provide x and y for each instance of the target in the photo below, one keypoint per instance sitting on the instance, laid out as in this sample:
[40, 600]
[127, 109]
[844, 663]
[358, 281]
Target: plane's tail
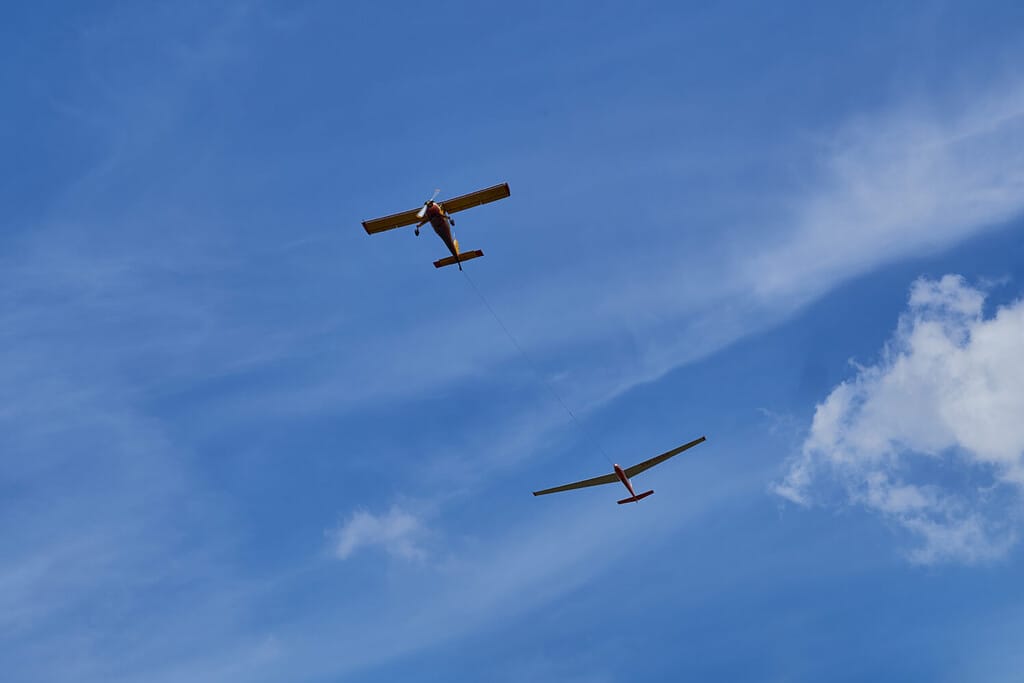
[464, 256]
[637, 497]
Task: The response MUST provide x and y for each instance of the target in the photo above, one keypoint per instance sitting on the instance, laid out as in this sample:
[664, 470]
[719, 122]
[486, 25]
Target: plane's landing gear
[417, 232]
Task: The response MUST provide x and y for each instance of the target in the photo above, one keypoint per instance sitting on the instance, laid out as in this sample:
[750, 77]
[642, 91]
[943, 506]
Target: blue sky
[243, 441]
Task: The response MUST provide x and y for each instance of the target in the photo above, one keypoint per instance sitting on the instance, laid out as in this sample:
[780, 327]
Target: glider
[624, 475]
[438, 214]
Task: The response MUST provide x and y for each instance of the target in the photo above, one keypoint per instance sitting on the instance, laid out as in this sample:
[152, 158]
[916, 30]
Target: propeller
[423, 211]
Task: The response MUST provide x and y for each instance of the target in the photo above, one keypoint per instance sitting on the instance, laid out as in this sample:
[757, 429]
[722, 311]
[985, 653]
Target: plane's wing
[596, 481]
[468, 201]
[395, 220]
[658, 459]
[461, 203]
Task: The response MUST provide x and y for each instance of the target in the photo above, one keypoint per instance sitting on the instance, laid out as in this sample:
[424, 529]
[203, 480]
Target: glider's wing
[596, 481]
[395, 220]
[468, 201]
[658, 459]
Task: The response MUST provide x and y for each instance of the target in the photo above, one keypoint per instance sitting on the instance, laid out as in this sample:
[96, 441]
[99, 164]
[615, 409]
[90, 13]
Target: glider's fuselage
[624, 479]
[633, 497]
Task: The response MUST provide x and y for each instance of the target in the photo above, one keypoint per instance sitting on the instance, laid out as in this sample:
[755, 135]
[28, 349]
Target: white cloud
[398, 532]
[931, 436]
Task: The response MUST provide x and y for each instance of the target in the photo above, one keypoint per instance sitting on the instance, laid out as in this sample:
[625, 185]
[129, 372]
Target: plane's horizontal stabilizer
[639, 496]
[464, 256]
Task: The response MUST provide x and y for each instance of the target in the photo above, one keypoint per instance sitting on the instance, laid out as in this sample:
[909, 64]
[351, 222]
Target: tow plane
[438, 214]
[624, 475]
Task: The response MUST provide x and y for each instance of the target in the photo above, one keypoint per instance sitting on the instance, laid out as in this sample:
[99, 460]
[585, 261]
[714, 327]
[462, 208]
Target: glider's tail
[637, 497]
[464, 256]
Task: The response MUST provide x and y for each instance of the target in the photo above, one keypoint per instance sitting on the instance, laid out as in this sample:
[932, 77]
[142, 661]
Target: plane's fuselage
[442, 226]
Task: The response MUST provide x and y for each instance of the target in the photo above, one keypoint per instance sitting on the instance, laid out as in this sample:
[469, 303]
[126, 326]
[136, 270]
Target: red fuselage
[624, 479]
[442, 226]
[633, 496]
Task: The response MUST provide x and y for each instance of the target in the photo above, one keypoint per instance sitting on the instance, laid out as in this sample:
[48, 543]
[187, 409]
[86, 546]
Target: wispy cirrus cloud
[930, 437]
[895, 185]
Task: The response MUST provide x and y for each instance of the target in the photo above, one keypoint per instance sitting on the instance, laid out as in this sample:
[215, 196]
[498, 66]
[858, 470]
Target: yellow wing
[460, 203]
[468, 201]
[395, 220]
